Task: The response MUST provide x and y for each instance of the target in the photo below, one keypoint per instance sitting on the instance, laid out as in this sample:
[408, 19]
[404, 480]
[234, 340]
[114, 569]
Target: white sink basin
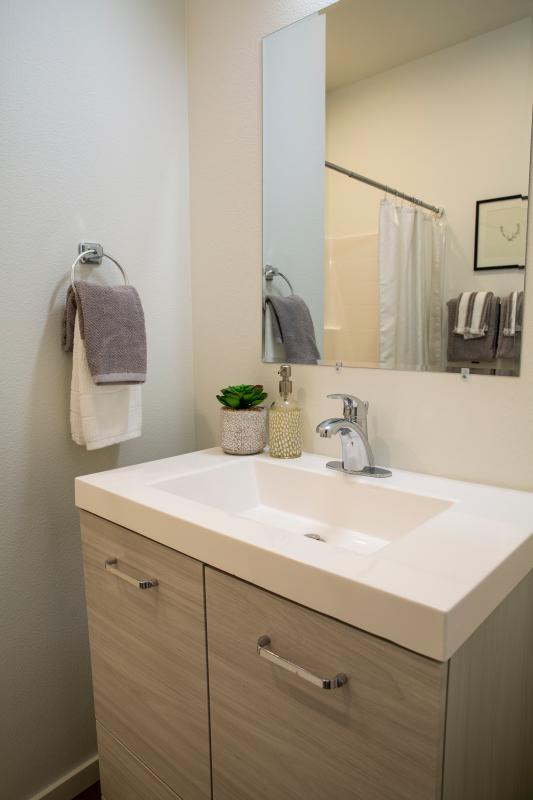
[415, 559]
[343, 513]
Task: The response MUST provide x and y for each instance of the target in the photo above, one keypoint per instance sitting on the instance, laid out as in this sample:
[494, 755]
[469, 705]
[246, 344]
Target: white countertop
[428, 590]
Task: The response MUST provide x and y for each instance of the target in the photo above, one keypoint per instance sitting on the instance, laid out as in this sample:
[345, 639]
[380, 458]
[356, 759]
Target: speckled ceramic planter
[243, 431]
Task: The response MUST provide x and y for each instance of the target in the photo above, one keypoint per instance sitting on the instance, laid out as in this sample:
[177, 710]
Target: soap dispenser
[285, 420]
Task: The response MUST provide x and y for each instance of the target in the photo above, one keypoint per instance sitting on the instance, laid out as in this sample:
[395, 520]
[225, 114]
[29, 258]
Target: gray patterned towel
[113, 330]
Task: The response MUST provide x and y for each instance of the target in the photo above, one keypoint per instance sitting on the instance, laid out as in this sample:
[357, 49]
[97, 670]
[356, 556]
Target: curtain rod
[356, 176]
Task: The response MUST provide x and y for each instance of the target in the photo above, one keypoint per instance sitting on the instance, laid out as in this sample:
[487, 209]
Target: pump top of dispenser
[285, 384]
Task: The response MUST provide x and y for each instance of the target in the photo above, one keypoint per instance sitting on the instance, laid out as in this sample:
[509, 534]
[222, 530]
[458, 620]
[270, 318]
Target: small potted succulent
[243, 419]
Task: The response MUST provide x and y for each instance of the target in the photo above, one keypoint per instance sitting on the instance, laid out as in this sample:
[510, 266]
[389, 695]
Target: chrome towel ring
[92, 253]
[271, 272]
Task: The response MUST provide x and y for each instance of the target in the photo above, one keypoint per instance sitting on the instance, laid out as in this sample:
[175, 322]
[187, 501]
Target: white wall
[93, 141]
[451, 128]
[294, 69]
[480, 429]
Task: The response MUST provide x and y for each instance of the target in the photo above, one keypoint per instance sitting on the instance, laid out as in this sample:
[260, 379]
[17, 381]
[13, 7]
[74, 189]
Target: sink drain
[315, 536]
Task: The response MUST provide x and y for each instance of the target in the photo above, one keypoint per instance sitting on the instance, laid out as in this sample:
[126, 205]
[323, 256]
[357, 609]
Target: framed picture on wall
[501, 225]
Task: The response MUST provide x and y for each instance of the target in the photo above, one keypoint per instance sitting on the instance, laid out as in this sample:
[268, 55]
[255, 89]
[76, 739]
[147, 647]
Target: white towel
[100, 415]
[460, 325]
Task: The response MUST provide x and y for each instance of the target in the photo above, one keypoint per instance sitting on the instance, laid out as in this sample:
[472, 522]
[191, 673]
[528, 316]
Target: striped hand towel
[472, 317]
[512, 323]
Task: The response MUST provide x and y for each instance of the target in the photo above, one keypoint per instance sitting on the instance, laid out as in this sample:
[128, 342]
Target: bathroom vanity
[235, 657]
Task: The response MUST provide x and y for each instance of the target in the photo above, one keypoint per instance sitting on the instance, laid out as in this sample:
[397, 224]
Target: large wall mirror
[396, 149]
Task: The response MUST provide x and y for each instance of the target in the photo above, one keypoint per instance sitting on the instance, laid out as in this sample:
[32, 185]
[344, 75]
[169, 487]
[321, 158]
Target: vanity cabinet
[124, 777]
[276, 736]
[394, 726]
[148, 657]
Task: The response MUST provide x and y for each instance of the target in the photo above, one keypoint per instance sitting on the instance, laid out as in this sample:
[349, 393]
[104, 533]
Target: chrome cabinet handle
[322, 683]
[140, 583]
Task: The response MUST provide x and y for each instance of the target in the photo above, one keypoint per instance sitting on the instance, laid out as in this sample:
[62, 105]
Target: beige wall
[93, 136]
[351, 300]
[478, 429]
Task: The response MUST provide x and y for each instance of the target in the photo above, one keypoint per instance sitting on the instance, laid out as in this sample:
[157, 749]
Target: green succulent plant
[242, 396]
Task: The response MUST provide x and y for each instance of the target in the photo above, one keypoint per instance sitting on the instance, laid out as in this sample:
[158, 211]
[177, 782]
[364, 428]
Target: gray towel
[113, 330]
[477, 349]
[510, 346]
[295, 324]
[69, 318]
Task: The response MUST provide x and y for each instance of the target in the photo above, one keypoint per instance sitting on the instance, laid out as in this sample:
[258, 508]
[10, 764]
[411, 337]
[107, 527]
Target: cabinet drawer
[148, 653]
[123, 777]
[278, 737]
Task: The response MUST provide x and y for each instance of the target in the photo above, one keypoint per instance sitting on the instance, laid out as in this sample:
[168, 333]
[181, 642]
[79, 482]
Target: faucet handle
[354, 408]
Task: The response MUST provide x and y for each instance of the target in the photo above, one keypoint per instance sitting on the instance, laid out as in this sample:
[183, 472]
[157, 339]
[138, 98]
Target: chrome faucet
[357, 455]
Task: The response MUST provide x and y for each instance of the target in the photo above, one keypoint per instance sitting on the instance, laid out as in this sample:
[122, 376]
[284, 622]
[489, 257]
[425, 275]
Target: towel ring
[90, 253]
[271, 272]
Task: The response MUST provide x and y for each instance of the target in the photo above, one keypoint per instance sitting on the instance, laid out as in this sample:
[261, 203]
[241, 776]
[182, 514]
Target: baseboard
[72, 783]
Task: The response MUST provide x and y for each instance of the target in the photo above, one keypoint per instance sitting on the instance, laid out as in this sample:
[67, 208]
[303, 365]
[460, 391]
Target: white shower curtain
[411, 254]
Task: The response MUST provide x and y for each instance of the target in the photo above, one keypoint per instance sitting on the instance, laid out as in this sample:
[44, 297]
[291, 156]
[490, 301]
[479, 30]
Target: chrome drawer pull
[140, 583]
[322, 683]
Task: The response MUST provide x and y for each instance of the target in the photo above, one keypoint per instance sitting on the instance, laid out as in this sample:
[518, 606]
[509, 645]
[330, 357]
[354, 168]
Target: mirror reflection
[396, 146]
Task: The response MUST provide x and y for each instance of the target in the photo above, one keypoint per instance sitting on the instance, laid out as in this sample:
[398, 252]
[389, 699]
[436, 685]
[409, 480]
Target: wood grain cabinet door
[123, 777]
[276, 736]
[148, 653]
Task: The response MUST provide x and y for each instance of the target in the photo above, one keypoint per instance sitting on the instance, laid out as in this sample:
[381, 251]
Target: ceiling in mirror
[396, 149]
[365, 38]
